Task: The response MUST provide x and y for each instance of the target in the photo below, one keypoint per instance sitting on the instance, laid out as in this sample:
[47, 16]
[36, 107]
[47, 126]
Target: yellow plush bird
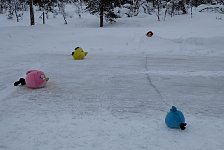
[79, 53]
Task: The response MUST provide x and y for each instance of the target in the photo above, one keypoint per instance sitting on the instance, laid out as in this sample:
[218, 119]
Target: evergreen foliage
[108, 10]
[103, 8]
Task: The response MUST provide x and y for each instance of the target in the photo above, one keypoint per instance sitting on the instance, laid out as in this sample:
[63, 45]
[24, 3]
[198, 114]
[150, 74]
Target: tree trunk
[1, 9]
[153, 3]
[158, 5]
[32, 22]
[43, 18]
[101, 13]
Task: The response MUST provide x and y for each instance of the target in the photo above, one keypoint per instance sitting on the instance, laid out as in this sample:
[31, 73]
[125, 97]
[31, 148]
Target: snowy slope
[116, 98]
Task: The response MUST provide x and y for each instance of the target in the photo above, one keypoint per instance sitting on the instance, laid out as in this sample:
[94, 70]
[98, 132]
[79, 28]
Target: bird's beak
[46, 79]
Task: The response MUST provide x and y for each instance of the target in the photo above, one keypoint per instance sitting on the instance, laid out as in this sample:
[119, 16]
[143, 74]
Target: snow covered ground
[118, 97]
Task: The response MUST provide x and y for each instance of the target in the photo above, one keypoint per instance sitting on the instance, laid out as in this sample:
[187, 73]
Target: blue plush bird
[175, 119]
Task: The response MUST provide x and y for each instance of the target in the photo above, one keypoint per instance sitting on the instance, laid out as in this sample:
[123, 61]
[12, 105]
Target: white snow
[118, 97]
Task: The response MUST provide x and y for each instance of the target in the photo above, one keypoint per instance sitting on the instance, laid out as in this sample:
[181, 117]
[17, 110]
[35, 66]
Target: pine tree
[103, 8]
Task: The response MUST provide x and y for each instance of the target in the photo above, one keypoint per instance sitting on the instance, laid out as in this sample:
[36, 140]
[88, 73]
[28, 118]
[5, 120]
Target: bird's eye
[42, 76]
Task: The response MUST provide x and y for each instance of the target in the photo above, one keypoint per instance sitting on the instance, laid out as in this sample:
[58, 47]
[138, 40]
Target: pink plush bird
[34, 79]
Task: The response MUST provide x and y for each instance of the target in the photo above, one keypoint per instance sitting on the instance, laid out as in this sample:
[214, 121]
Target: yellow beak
[46, 79]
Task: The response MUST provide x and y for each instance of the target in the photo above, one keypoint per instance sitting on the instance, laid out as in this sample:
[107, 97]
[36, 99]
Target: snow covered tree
[45, 4]
[175, 7]
[2, 4]
[61, 6]
[14, 8]
[158, 9]
[78, 4]
[19, 6]
[103, 8]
